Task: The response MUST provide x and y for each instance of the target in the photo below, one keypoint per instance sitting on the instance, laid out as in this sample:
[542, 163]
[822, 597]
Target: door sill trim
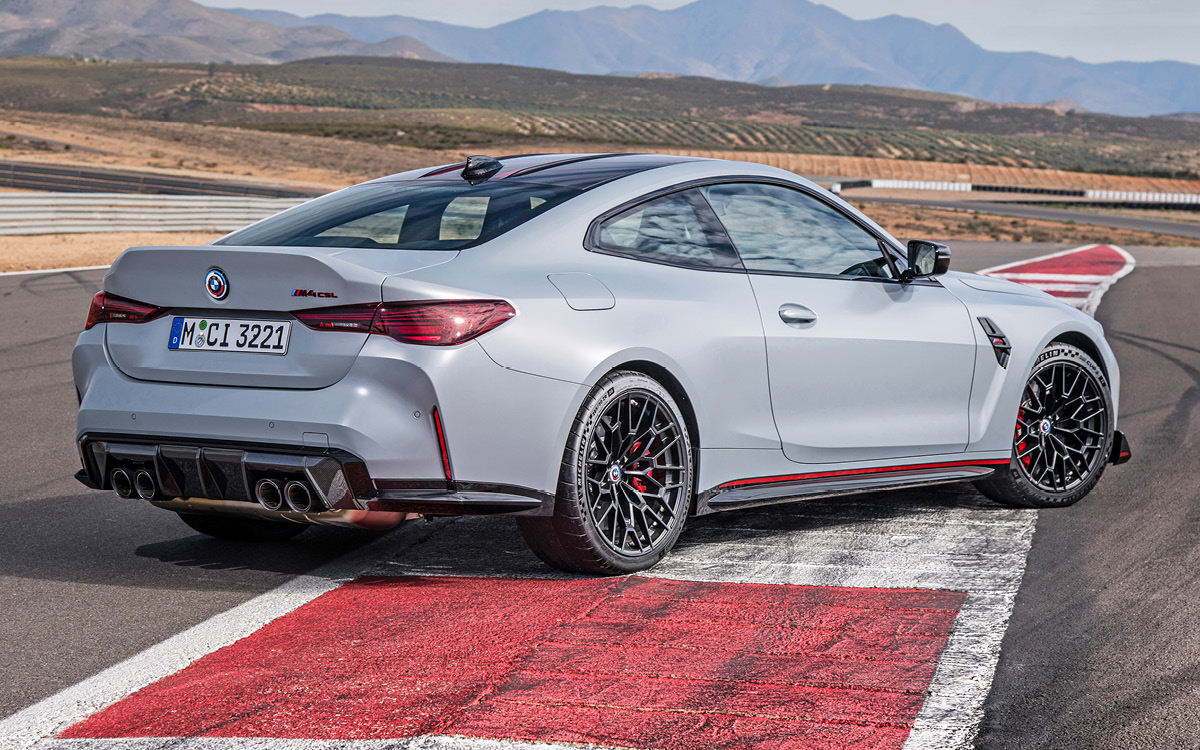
[747, 493]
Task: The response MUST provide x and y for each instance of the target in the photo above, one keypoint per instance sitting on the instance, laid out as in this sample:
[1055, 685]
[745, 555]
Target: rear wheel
[241, 529]
[625, 485]
[1063, 435]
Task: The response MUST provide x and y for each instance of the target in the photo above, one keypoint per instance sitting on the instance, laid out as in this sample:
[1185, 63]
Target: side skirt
[749, 493]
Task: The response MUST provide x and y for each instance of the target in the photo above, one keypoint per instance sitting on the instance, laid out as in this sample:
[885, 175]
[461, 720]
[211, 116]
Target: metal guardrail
[66, 213]
[64, 179]
[954, 187]
[1128, 197]
[1122, 196]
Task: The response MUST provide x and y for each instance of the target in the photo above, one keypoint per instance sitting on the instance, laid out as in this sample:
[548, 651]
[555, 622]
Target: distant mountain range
[771, 42]
[176, 30]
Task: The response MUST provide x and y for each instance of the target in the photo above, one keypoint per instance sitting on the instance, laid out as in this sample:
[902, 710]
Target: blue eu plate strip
[176, 332]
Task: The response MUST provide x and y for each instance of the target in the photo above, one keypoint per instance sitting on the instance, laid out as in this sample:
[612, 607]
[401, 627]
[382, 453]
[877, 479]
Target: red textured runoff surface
[1098, 260]
[1095, 261]
[628, 662]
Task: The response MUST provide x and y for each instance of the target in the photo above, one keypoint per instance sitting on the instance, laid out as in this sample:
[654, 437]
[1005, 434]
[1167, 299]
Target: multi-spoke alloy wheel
[1063, 435]
[634, 473]
[625, 487]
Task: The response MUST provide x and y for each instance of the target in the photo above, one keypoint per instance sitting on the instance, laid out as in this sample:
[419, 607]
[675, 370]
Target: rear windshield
[404, 215]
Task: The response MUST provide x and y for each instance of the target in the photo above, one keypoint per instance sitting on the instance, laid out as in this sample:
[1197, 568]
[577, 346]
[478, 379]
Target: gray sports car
[600, 345]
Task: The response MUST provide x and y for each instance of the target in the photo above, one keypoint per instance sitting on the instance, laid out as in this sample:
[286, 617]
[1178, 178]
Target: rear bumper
[504, 429]
[227, 473]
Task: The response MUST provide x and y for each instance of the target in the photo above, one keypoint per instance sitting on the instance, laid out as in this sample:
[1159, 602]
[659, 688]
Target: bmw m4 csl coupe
[601, 345]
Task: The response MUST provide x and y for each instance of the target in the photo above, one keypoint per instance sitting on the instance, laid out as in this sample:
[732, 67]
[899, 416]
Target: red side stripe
[856, 472]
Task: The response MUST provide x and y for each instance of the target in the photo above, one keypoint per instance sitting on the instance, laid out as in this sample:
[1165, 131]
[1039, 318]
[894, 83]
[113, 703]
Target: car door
[861, 366]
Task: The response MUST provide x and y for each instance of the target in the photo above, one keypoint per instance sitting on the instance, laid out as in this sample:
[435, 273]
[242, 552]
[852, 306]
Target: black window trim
[898, 259]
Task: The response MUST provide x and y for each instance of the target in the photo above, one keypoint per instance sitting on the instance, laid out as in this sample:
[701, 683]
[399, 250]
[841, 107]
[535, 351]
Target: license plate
[224, 335]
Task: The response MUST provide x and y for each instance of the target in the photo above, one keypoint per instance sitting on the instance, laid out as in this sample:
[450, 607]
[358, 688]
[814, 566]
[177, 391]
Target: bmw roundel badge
[216, 284]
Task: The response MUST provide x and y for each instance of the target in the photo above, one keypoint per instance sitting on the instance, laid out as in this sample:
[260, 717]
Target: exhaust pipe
[144, 483]
[121, 483]
[268, 494]
[298, 497]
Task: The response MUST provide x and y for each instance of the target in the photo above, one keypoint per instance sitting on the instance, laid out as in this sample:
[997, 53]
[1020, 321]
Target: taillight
[434, 323]
[109, 308]
[440, 323]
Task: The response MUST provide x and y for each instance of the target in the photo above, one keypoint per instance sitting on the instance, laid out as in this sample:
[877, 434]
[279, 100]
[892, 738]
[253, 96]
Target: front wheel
[241, 529]
[1063, 435]
[626, 482]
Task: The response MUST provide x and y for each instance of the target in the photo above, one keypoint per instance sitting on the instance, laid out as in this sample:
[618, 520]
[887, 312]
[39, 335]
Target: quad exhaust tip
[268, 494]
[144, 483]
[121, 483]
[298, 497]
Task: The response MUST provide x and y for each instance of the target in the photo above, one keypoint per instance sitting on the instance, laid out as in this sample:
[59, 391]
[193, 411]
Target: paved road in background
[1162, 226]
[1103, 649]
[1100, 652]
[21, 175]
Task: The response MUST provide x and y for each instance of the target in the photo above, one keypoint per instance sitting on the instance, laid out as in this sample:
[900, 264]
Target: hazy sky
[1091, 30]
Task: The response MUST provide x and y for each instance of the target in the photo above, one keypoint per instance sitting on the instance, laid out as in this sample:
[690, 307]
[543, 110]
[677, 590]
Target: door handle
[794, 314]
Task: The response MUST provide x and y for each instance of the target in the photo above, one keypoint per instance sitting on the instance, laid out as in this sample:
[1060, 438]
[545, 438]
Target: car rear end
[297, 370]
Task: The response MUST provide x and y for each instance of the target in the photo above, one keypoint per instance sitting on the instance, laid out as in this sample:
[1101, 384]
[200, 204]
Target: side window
[675, 228]
[776, 228]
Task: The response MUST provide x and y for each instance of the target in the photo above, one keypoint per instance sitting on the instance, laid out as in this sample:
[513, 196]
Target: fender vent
[998, 340]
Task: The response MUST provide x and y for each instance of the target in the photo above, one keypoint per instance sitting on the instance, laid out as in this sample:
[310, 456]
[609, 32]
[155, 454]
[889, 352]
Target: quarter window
[778, 229]
[676, 229]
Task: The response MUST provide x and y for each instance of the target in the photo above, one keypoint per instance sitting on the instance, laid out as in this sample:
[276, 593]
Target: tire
[608, 517]
[1064, 433]
[241, 529]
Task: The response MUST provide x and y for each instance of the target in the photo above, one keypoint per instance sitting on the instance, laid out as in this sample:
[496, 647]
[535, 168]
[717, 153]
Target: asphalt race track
[65, 179]
[1103, 649]
[1100, 650]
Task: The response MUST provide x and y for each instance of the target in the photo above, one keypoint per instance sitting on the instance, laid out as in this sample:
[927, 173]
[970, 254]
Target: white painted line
[890, 552]
[59, 711]
[1027, 277]
[992, 270]
[1093, 300]
[53, 270]
[930, 538]
[1085, 288]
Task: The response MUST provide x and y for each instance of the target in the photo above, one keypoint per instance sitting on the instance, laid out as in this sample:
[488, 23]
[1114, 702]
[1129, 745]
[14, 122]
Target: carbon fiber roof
[579, 171]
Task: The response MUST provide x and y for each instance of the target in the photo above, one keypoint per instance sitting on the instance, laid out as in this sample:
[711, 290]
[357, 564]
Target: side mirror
[926, 258]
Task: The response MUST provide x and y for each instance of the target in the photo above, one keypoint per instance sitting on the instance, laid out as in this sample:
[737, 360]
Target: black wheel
[625, 486]
[241, 529]
[1063, 436]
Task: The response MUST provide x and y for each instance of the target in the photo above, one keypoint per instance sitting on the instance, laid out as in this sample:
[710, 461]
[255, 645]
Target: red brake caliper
[637, 482]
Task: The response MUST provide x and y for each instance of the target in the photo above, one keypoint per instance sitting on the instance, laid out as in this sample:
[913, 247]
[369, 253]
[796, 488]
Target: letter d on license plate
[225, 335]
